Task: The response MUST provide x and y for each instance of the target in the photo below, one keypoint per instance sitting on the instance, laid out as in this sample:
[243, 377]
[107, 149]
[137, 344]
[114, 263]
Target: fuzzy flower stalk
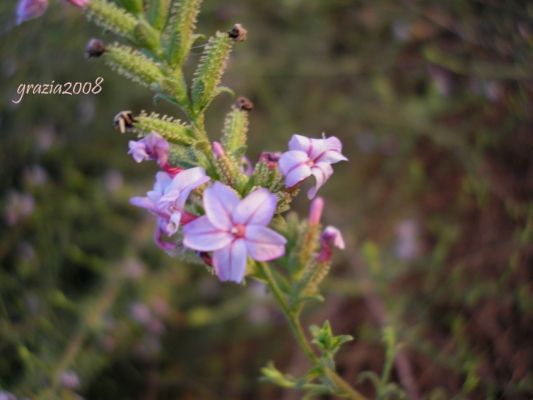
[209, 201]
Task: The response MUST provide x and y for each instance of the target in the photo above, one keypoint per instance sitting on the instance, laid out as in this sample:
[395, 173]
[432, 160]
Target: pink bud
[79, 3]
[329, 238]
[218, 150]
[315, 212]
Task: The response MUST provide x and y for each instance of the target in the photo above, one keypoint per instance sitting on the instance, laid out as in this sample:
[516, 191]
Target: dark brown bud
[95, 48]
[244, 104]
[238, 33]
[124, 120]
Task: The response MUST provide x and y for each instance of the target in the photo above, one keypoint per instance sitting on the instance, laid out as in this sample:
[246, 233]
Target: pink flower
[79, 3]
[167, 201]
[152, 147]
[329, 238]
[30, 9]
[233, 229]
[308, 157]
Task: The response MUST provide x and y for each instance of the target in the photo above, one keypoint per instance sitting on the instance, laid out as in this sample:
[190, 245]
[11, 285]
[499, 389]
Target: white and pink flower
[234, 229]
[308, 157]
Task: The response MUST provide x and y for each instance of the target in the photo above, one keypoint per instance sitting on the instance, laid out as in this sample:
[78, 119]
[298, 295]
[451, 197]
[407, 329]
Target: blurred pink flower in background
[30, 9]
[233, 229]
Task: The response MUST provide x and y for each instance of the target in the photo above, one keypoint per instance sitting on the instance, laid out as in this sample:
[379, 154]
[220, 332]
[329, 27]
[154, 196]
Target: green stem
[297, 330]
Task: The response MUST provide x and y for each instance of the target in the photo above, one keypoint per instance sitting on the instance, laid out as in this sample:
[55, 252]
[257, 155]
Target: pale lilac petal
[184, 183]
[301, 143]
[230, 262]
[293, 165]
[327, 150]
[143, 202]
[219, 202]
[257, 208]
[137, 149]
[173, 223]
[201, 235]
[322, 172]
[30, 9]
[291, 159]
[297, 175]
[263, 243]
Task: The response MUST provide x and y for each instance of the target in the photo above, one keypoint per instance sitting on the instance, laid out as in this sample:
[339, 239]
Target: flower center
[310, 162]
[238, 230]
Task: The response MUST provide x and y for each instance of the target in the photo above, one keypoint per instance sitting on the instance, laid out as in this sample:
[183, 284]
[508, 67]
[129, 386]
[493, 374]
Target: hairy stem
[296, 327]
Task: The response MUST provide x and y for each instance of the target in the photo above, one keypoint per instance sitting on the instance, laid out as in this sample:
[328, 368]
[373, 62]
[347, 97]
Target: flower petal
[321, 171]
[201, 235]
[293, 165]
[301, 143]
[158, 238]
[257, 208]
[263, 243]
[230, 262]
[143, 202]
[183, 184]
[327, 150]
[219, 202]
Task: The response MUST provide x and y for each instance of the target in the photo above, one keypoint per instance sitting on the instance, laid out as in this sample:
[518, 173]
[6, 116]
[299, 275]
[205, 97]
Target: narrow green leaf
[210, 70]
[157, 13]
[110, 17]
[181, 36]
[133, 64]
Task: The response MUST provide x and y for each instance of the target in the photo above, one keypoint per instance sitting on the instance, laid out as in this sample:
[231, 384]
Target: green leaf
[146, 36]
[210, 70]
[133, 6]
[157, 14]
[181, 36]
[172, 130]
[235, 132]
[133, 64]
[110, 17]
[324, 339]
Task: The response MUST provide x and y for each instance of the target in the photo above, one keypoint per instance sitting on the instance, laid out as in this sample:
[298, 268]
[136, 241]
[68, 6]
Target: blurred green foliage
[433, 103]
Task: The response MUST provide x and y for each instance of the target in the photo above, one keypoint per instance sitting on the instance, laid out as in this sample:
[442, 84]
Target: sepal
[133, 64]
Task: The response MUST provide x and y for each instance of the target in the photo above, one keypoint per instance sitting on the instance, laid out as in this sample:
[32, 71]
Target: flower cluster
[232, 228]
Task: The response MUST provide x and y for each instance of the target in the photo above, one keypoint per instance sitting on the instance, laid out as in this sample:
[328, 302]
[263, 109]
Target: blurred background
[433, 103]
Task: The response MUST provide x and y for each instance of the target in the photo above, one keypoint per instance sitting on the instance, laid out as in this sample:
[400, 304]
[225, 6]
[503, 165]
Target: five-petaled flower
[167, 201]
[308, 157]
[233, 229]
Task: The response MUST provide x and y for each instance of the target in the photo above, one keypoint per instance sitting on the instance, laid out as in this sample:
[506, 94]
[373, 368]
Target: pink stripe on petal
[230, 262]
[201, 235]
[290, 159]
[257, 208]
[297, 175]
[219, 202]
[263, 243]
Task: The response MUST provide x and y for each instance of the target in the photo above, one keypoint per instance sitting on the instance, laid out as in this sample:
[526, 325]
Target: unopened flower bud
[218, 150]
[245, 104]
[329, 238]
[79, 3]
[95, 48]
[315, 212]
[270, 158]
[238, 33]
